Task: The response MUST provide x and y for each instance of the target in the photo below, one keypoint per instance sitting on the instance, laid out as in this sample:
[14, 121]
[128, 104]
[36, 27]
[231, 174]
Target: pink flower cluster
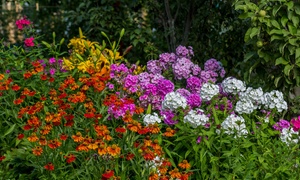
[21, 23]
[29, 42]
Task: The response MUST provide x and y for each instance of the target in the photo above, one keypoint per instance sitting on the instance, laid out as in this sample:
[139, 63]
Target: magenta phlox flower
[183, 51]
[193, 84]
[164, 86]
[52, 60]
[131, 82]
[296, 123]
[52, 71]
[196, 70]
[21, 23]
[29, 42]
[282, 124]
[194, 100]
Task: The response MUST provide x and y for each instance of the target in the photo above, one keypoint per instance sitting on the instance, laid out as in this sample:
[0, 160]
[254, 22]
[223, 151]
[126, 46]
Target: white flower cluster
[287, 137]
[209, 90]
[151, 119]
[250, 100]
[244, 106]
[174, 100]
[233, 85]
[196, 118]
[234, 123]
[274, 99]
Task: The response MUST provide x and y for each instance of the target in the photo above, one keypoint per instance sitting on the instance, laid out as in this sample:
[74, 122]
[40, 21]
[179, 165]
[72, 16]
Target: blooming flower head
[29, 42]
[209, 90]
[151, 119]
[173, 101]
[196, 118]
[234, 123]
[52, 60]
[21, 23]
[274, 99]
[153, 66]
[182, 68]
[233, 85]
[296, 123]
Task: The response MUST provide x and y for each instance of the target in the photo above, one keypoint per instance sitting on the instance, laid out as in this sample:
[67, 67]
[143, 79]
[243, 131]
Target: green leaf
[287, 69]
[248, 56]
[284, 20]
[295, 20]
[290, 5]
[277, 80]
[149, 108]
[254, 32]
[275, 24]
[274, 37]
[268, 175]
[276, 9]
[247, 35]
[275, 31]
[9, 130]
[297, 9]
[297, 54]
[293, 42]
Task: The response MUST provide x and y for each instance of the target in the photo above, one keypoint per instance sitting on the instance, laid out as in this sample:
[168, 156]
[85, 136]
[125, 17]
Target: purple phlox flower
[164, 86]
[184, 92]
[182, 68]
[153, 66]
[166, 60]
[130, 82]
[199, 139]
[168, 117]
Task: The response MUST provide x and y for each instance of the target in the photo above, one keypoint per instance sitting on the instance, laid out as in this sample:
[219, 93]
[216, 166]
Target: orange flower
[102, 150]
[82, 147]
[54, 143]
[169, 132]
[154, 129]
[147, 141]
[33, 138]
[113, 150]
[93, 146]
[184, 164]
[139, 110]
[164, 177]
[175, 173]
[134, 126]
[148, 155]
[70, 158]
[153, 176]
[37, 151]
[1, 76]
[78, 137]
[49, 167]
[185, 176]
[163, 169]
[15, 87]
[27, 75]
[43, 141]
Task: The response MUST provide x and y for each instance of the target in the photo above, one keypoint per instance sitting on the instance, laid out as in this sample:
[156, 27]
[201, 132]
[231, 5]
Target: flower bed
[90, 115]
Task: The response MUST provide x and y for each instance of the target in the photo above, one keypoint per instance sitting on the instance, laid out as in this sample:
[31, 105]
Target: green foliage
[273, 37]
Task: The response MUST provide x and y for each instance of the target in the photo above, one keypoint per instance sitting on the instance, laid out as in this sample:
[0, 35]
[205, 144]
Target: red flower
[89, 115]
[108, 174]
[63, 137]
[27, 127]
[120, 129]
[2, 158]
[49, 167]
[27, 75]
[43, 77]
[70, 158]
[18, 101]
[15, 87]
[20, 136]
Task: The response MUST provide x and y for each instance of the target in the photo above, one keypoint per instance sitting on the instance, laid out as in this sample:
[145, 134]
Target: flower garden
[90, 114]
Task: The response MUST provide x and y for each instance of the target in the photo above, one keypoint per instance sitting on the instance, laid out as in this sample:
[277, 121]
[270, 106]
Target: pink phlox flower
[29, 42]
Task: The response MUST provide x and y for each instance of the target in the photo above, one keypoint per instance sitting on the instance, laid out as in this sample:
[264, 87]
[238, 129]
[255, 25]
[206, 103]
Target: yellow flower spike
[80, 33]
